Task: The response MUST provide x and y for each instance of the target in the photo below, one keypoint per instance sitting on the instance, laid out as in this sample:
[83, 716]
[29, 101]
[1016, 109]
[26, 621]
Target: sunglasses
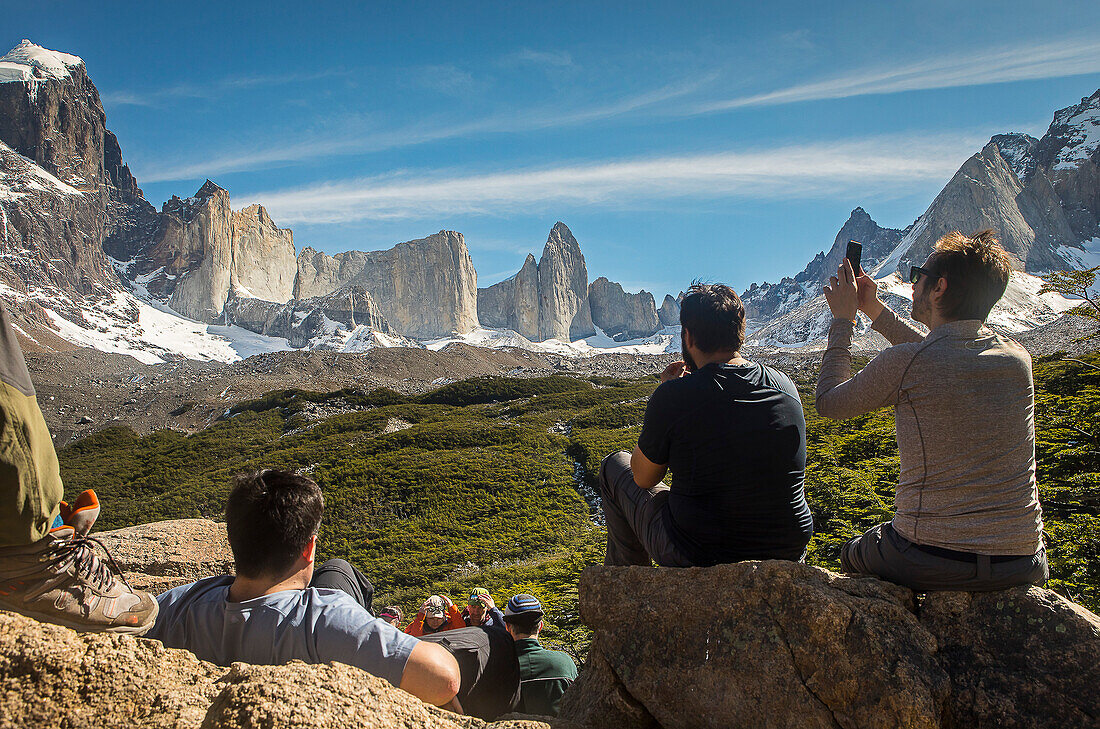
[915, 272]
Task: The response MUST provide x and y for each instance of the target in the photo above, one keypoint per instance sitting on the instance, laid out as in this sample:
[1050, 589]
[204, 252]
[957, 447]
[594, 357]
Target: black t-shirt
[734, 438]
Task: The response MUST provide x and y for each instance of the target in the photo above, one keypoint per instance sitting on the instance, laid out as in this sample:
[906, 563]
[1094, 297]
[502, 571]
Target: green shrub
[416, 490]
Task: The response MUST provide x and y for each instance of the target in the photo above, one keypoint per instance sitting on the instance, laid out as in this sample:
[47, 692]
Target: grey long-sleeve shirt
[964, 407]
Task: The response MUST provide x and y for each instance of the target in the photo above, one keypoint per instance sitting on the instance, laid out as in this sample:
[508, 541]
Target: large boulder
[779, 644]
[167, 554]
[52, 676]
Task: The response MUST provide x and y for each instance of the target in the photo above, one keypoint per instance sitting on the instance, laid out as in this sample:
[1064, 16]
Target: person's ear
[689, 341]
[310, 552]
[939, 290]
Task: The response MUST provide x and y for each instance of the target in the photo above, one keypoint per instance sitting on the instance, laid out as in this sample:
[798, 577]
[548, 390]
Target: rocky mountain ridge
[1042, 196]
[212, 264]
[84, 255]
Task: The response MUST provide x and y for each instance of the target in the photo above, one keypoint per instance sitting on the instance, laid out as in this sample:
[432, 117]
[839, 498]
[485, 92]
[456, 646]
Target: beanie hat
[523, 605]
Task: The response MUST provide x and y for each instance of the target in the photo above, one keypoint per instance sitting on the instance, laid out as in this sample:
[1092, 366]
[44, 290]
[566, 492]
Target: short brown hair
[715, 316]
[977, 269]
[270, 517]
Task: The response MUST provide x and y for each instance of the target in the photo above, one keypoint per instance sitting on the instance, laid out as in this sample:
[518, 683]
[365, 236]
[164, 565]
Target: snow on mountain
[1021, 308]
[664, 341]
[1083, 121]
[30, 62]
[20, 176]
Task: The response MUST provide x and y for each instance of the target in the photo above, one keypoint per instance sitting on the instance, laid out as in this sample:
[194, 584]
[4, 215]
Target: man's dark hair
[270, 517]
[524, 623]
[977, 269]
[715, 316]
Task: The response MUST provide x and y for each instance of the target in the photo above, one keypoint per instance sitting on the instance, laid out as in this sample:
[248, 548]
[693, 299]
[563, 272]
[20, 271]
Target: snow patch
[33, 64]
[891, 261]
[22, 175]
[662, 342]
[1083, 138]
[158, 333]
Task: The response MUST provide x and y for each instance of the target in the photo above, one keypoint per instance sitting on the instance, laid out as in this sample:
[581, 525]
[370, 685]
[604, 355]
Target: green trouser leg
[30, 478]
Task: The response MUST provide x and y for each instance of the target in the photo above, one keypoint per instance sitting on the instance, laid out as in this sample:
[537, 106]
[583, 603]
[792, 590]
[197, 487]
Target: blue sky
[726, 141]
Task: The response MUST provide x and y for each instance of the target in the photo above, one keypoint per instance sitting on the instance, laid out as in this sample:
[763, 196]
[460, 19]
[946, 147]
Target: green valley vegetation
[483, 482]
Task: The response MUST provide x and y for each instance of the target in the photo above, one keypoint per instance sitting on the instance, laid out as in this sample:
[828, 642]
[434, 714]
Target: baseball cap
[436, 608]
[523, 604]
[476, 595]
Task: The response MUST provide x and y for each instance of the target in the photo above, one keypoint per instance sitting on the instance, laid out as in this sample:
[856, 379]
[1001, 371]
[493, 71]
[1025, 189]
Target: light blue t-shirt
[315, 625]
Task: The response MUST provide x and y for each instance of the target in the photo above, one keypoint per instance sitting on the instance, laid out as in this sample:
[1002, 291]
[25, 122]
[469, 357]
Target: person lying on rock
[967, 513]
[544, 675]
[48, 566]
[481, 610]
[732, 433]
[438, 613]
[278, 608]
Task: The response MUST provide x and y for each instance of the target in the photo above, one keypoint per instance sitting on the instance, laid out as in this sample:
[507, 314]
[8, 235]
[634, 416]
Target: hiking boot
[59, 579]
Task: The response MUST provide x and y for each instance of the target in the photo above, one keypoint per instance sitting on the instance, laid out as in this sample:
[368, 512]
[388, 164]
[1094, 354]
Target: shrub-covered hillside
[482, 482]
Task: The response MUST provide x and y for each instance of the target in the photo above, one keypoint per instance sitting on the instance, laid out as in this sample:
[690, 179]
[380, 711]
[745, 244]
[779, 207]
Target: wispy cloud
[361, 141]
[1022, 62]
[1018, 63]
[560, 59]
[209, 90]
[863, 167]
[445, 79]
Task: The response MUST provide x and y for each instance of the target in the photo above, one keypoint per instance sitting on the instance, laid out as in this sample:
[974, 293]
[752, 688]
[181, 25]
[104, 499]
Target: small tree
[1075, 285]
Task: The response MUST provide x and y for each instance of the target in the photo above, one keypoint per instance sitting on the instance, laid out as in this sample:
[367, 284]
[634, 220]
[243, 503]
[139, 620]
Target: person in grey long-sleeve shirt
[967, 514]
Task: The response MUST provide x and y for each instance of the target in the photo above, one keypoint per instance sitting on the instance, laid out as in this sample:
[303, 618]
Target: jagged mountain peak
[1074, 135]
[1018, 150]
[28, 61]
[561, 235]
[209, 189]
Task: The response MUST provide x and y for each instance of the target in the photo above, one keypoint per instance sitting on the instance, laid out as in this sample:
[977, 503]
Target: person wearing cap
[481, 610]
[393, 615]
[544, 674]
[438, 613]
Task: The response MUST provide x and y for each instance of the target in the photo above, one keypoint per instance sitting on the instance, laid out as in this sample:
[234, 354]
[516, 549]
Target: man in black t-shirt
[734, 437]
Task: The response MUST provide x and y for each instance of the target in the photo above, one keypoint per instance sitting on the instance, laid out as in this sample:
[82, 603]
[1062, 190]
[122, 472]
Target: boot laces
[80, 551]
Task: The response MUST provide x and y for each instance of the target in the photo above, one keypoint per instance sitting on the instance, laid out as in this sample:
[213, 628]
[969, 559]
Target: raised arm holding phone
[967, 513]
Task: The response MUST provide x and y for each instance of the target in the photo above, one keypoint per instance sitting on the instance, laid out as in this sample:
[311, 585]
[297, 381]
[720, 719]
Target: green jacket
[544, 675]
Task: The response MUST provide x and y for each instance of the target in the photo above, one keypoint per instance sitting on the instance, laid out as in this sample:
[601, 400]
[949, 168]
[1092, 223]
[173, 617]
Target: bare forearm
[647, 474]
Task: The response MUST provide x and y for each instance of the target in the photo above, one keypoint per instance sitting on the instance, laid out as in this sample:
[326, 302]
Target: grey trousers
[637, 531]
[885, 553]
[338, 574]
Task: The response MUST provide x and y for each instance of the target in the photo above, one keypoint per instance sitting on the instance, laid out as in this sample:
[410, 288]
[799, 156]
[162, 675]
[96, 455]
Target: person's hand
[674, 370]
[486, 601]
[841, 292]
[867, 293]
[447, 601]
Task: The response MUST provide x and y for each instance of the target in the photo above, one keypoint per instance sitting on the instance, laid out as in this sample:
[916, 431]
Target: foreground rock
[166, 554]
[778, 644]
[52, 676]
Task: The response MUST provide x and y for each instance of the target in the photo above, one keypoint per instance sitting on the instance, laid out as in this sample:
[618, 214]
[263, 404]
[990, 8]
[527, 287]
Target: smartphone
[854, 253]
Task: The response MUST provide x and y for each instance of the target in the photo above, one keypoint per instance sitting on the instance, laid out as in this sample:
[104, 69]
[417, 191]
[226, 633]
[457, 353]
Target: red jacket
[454, 620]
